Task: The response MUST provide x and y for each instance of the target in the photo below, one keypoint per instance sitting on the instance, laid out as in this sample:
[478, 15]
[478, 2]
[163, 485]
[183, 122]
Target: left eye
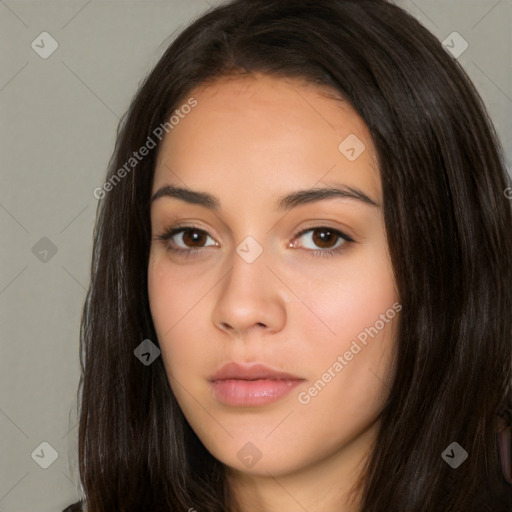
[324, 237]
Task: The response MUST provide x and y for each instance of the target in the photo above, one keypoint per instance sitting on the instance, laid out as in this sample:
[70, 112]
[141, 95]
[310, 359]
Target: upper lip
[250, 372]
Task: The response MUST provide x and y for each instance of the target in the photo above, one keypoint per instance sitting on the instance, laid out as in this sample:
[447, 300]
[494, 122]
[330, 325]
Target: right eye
[188, 236]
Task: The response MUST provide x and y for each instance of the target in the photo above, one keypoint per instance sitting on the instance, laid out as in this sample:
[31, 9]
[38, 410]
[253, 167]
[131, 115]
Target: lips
[250, 372]
[253, 385]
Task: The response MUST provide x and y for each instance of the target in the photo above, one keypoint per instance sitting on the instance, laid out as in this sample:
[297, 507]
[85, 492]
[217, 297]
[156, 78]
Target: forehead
[264, 134]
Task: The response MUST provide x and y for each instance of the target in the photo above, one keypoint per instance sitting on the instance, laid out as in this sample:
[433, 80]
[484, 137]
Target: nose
[251, 298]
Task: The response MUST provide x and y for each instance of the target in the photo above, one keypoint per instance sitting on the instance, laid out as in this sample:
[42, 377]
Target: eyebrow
[283, 203]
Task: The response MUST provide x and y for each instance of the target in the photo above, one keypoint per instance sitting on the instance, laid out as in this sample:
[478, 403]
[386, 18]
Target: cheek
[172, 294]
[345, 300]
[349, 342]
[177, 303]
[162, 297]
[167, 301]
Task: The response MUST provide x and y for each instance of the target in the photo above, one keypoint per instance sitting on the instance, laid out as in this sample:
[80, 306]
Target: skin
[249, 141]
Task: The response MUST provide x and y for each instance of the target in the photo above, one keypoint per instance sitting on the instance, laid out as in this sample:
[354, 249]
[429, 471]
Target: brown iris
[325, 237]
[194, 236]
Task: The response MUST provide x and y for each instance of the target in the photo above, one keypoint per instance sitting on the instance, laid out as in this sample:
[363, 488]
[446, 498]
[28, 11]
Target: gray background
[59, 117]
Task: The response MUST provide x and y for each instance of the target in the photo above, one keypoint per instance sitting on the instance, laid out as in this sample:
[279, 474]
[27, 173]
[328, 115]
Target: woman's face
[241, 285]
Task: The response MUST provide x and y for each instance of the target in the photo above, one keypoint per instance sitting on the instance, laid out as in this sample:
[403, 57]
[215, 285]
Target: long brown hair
[449, 228]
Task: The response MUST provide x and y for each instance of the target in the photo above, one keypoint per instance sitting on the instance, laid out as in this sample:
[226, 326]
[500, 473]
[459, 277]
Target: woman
[339, 338]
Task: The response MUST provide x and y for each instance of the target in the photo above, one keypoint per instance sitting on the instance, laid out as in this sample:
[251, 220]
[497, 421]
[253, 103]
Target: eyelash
[188, 253]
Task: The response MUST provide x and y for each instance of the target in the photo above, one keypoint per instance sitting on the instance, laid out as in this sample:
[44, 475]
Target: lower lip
[251, 393]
